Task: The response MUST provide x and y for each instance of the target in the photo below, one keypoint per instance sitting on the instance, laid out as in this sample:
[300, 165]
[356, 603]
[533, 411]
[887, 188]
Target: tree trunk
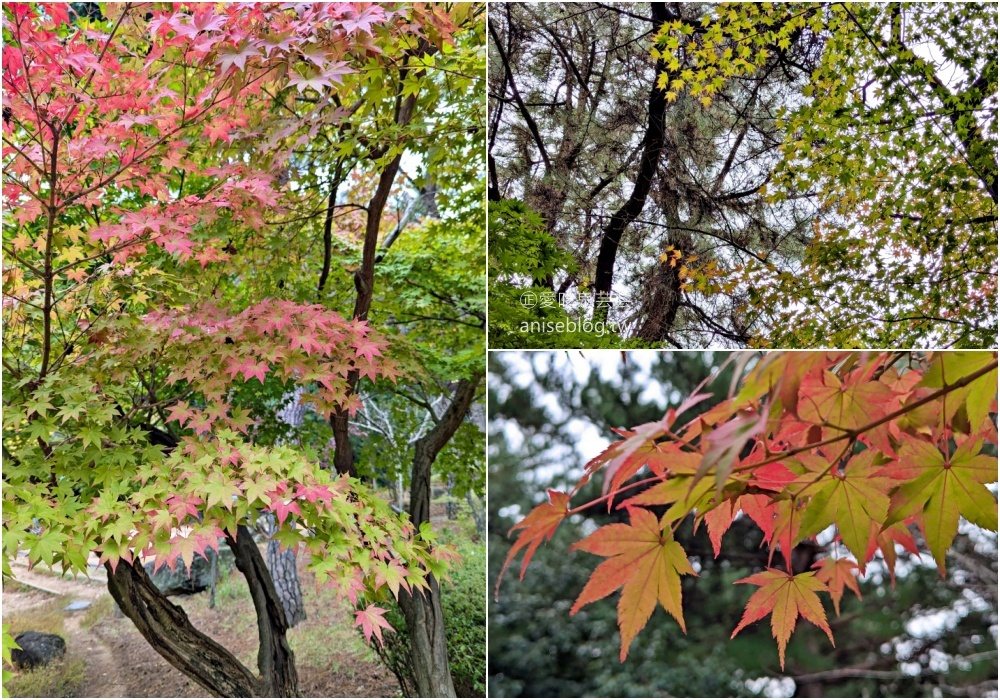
[428, 643]
[424, 617]
[652, 145]
[364, 277]
[167, 628]
[285, 574]
[286, 582]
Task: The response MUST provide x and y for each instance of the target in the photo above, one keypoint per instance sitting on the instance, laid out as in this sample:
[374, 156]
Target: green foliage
[520, 246]
[524, 312]
[8, 645]
[463, 602]
[828, 176]
[891, 126]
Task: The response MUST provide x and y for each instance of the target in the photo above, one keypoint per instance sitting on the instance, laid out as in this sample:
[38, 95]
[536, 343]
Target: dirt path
[78, 588]
[104, 675]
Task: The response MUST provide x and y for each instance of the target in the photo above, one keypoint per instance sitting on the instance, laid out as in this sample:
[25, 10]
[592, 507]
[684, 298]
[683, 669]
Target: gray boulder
[180, 581]
[37, 649]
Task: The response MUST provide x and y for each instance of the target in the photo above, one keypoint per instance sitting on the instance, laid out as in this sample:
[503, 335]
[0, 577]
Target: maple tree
[141, 181]
[869, 443]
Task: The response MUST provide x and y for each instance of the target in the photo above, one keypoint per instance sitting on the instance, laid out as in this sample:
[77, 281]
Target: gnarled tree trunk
[167, 628]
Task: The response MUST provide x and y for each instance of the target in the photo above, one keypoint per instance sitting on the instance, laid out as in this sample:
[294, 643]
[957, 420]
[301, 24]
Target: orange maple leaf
[836, 574]
[538, 526]
[647, 561]
[785, 597]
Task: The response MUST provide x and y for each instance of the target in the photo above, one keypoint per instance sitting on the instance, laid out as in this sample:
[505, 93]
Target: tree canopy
[738, 174]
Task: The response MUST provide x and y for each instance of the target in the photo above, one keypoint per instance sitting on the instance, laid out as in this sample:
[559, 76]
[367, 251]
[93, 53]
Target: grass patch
[12, 586]
[63, 678]
[43, 618]
[229, 588]
[313, 643]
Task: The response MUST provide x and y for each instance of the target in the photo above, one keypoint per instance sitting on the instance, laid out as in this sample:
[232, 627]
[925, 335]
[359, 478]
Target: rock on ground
[37, 649]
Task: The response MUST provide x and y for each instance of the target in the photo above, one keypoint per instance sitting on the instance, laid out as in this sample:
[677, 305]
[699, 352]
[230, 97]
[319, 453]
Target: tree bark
[275, 658]
[167, 629]
[652, 145]
[364, 278]
[423, 613]
[285, 574]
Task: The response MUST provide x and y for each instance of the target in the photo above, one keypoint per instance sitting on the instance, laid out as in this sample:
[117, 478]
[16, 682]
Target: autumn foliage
[868, 444]
[137, 148]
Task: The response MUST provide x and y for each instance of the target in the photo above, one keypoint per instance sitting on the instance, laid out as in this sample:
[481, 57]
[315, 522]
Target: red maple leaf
[367, 349]
[645, 562]
[785, 597]
[836, 574]
[180, 412]
[181, 506]
[217, 129]
[255, 369]
[314, 493]
[236, 56]
[281, 507]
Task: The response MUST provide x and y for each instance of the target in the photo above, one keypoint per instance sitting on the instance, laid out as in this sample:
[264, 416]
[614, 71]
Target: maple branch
[169, 631]
[275, 658]
[11, 253]
[854, 433]
[525, 114]
[328, 226]
[970, 137]
[364, 277]
[417, 317]
[21, 153]
[842, 673]
[612, 494]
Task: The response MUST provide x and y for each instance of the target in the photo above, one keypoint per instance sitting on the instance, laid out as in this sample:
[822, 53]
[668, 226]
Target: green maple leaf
[89, 435]
[40, 430]
[8, 643]
[46, 545]
[220, 489]
[853, 500]
[119, 528]
[948, 367]
[939, 489]
[289, 538]
[258, 490]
